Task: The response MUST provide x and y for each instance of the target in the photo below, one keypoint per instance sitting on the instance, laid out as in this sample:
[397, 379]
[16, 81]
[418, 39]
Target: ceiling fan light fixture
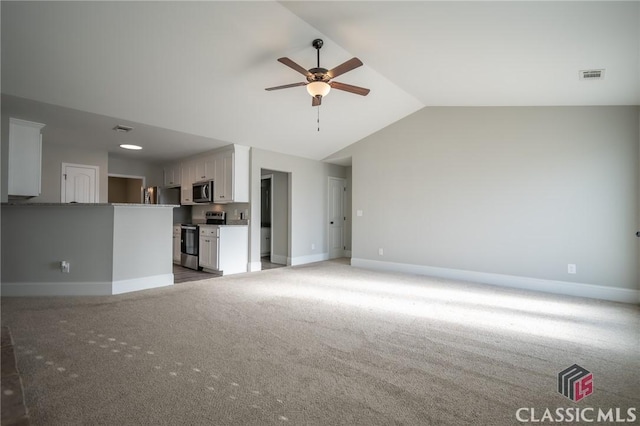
[318, 88]
[129, 146]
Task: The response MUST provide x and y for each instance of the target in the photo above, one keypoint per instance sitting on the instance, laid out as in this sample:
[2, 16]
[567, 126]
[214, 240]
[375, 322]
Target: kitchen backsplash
[233, 211]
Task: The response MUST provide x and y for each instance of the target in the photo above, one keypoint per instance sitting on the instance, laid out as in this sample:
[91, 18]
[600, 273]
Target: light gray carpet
[321, 344]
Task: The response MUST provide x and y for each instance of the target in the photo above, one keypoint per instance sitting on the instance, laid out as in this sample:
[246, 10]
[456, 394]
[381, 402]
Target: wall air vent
[592, 75]
[121, 128]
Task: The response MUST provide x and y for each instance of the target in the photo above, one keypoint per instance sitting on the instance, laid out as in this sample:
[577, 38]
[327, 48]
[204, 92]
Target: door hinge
[65, 176]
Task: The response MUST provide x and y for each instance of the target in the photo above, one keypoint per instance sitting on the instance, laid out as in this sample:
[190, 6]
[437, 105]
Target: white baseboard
[143, 283]
[301, 260]
[615, 294]
[85, 288]
[56, 289]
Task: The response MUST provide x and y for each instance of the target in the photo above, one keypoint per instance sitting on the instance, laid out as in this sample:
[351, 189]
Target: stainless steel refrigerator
[159, 195]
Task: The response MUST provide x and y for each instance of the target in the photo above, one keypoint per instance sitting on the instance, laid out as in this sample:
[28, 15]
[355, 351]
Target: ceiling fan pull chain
[318, 117]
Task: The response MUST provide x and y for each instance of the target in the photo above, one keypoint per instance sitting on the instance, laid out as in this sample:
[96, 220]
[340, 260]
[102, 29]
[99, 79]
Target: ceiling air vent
[592, 75]
[121, 128]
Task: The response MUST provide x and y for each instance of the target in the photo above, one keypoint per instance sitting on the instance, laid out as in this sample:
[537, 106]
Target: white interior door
[337, 189]
[79, 183]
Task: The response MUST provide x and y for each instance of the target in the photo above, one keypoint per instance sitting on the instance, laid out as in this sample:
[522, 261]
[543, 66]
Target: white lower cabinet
[177, 242]
[224, 248]
[208, 251]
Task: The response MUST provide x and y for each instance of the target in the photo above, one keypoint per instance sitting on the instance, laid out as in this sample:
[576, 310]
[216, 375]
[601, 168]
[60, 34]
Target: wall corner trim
[144, 283]
[614, 294]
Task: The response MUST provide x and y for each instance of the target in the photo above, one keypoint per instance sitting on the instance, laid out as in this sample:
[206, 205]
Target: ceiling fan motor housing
[318, 74]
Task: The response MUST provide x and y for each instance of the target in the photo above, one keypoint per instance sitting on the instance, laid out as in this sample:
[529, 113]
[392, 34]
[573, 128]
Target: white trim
[56, 289]
[255, 266]
[615, 294]
[101, 288]
[311, 258]
[143, 283]
[118, 175]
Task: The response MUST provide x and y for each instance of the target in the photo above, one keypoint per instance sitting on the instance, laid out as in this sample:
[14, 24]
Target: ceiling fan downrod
[317, 43]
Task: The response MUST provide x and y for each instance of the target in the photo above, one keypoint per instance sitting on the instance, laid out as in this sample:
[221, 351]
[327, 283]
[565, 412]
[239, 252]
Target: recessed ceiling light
[128, 146]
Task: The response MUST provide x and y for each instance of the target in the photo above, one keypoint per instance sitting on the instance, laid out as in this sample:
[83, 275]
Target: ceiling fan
[319, 80]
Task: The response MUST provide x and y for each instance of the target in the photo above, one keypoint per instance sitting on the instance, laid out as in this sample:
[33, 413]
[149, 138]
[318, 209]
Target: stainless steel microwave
[203, 192]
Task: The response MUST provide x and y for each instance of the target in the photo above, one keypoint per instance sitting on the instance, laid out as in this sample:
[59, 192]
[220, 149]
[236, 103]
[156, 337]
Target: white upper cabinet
[172, 175]
[231, 180]
[204, 168]
[25, 158]
[228, 167]
[188, 173]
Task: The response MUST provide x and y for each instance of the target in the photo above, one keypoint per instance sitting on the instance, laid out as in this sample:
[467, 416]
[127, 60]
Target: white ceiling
[190, 76]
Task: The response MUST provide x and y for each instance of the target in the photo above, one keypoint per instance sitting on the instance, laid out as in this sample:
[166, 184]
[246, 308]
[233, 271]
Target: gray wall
[308, 201]
[109, 248]
[152, 172]
[520, 191]
[55, 152]
[348, 208]
[36, 238]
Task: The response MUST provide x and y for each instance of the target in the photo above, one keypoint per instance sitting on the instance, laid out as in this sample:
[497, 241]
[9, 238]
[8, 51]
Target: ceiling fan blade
[316, 101]
[349, 88]
[345, 67]
[288, 62]
[286, 86]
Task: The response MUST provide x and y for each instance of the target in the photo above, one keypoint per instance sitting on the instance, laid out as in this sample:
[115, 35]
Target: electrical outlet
[65, 267]
[381, 252]
[571, 268]
[313, 246]
[358, 212]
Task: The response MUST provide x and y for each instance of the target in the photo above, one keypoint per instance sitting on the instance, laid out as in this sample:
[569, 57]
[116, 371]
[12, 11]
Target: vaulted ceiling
[190, 76]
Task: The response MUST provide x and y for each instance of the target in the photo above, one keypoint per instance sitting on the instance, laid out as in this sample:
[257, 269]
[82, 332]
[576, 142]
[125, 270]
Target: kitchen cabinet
[187, 179]
[204, 168]
[25, 159]
[177, 235]
[231, 180]
[172, 175]
[209, 242]
[224, 248]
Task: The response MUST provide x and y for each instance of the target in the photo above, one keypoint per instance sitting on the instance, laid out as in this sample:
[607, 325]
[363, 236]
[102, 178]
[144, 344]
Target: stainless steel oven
[189, 246]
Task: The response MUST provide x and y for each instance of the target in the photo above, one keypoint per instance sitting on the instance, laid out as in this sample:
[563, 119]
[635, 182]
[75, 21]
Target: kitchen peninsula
[109, 248]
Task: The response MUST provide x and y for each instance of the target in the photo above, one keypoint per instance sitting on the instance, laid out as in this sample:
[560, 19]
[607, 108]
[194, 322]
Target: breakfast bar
[75, 249]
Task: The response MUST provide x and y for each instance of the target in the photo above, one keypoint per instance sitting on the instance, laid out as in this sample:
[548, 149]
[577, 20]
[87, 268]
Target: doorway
[337, 217]
[125, 189]
[275, 239]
